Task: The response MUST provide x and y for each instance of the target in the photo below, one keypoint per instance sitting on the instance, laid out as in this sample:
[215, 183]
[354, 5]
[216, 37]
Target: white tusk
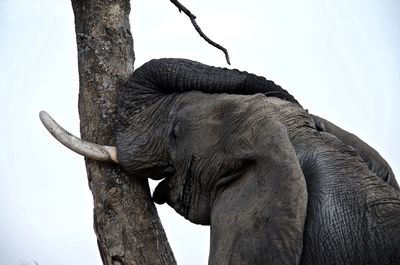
[85, 148]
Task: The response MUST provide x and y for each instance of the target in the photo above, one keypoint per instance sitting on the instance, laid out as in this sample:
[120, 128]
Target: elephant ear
[259, 217]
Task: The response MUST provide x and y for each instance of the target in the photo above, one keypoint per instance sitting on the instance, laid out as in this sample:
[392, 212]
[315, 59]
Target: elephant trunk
[85, 148]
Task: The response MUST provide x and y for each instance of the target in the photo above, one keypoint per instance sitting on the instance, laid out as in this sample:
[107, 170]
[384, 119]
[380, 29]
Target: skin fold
[275, 186]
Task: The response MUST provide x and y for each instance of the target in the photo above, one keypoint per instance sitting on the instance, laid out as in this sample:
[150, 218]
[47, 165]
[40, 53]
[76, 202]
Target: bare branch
[198, 29]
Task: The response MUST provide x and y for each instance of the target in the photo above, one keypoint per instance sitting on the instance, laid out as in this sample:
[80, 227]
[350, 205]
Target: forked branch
[198, 29]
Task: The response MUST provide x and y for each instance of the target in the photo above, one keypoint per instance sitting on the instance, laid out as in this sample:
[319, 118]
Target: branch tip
[198, 29]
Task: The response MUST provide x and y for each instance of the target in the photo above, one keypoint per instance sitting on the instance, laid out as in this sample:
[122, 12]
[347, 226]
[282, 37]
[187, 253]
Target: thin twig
[198, 29]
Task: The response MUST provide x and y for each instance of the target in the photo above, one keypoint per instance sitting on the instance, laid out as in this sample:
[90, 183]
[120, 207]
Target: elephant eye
[176, 131]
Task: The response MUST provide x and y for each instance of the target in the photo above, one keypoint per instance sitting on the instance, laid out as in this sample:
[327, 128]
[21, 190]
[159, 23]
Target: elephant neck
[326, 160]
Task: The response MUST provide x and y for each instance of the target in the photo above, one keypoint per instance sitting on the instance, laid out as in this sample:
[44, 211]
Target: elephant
[237, 152]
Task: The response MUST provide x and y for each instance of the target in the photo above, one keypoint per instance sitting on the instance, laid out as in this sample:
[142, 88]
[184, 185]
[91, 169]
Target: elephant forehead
[204, 121]
[230, 113]
[197, 105]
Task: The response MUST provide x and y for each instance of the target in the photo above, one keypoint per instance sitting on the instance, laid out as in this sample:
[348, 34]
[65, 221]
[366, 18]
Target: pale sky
[340, 59]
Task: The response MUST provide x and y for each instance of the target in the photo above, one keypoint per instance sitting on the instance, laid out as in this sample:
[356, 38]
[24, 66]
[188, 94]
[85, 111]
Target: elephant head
[211, 151]
[143, 108]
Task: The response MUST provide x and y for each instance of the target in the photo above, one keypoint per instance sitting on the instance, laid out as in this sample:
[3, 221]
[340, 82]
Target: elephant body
[352, 215]
[275, 185]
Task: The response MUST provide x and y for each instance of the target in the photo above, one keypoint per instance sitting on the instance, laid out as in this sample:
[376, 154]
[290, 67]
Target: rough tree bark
[126, 223]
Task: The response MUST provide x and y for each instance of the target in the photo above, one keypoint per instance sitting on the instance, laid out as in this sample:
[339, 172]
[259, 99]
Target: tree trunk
[126, 223]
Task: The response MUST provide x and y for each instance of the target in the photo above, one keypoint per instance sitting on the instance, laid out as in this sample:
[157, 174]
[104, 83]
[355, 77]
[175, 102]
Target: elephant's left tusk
[85, 148]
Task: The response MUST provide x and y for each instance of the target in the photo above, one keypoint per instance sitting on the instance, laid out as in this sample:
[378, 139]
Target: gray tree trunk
[126, 223]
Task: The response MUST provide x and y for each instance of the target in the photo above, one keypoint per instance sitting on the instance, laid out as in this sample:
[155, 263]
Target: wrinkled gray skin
[374, 160]
[246, 165]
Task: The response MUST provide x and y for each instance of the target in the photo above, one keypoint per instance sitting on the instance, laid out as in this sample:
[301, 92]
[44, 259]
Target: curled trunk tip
[85, 148]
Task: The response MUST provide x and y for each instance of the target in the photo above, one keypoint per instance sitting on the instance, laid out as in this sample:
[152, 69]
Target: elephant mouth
[162, 190]
[159, 173]
[195, 203]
